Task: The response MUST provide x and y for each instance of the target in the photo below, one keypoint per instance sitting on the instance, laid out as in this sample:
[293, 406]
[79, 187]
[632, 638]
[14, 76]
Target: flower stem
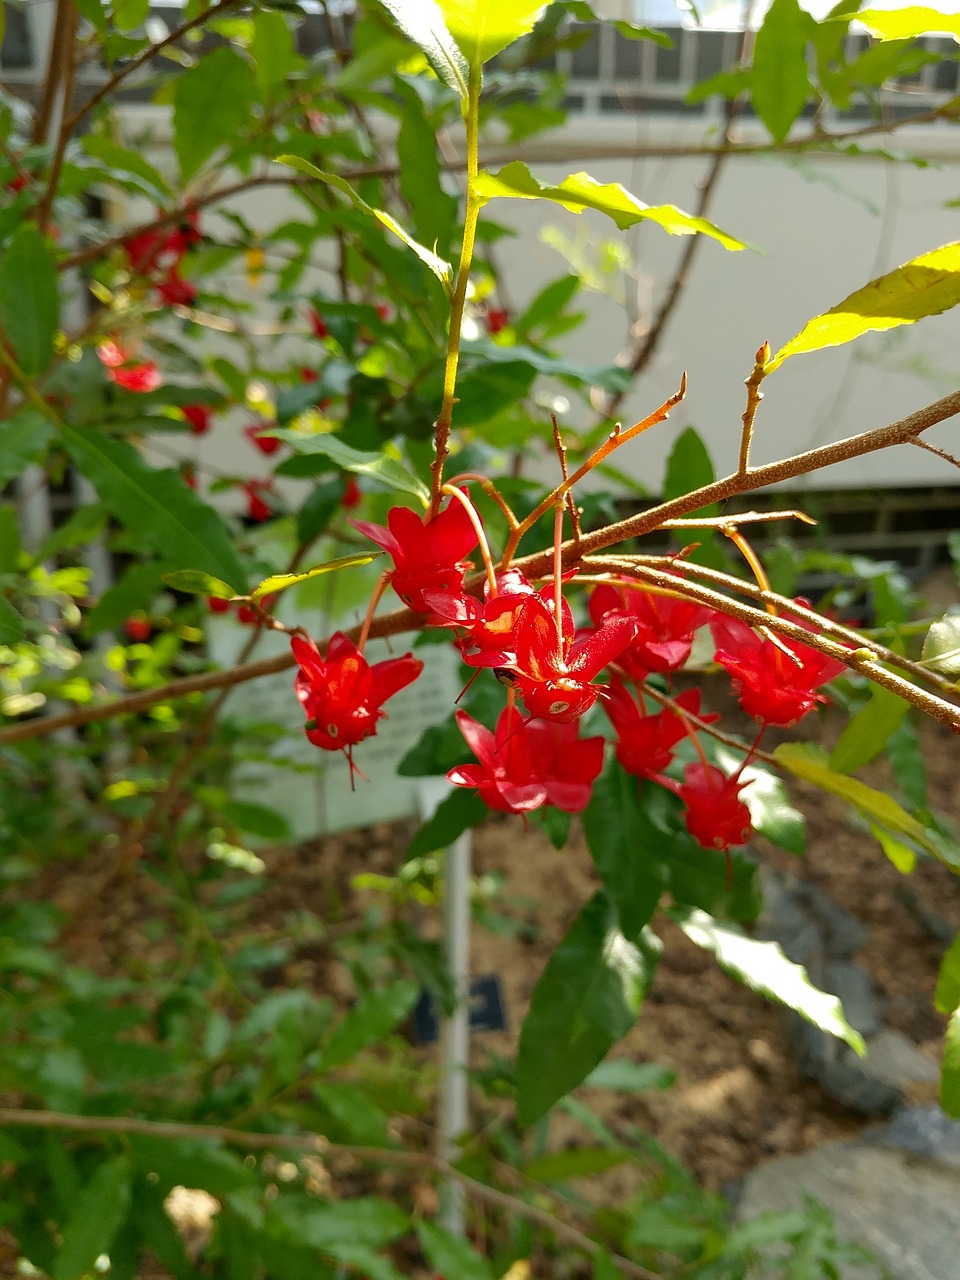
[471, 118]
[478, 529]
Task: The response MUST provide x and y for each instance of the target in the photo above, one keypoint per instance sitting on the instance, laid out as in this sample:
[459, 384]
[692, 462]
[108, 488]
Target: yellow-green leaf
[194, 582]
[882, 810]
[482, 28]
[901, 855]
[422, 22]
[440, 268]
[926, 286]
[866, 734]
[579, 191]
[941, 645]
[950, 1072]
[904, 24]
[280, 581]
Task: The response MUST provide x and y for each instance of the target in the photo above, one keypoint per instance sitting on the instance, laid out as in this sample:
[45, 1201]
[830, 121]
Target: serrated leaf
[23, 439]
[925, 286]
[194, 582]
[157, 506]
[579, 191]
[764, 968]
[29, 299]
[482, 28]
[95, 1217]
[375, 1014]
[211, 107]
[801, 759]
[452, 1255]
[905, 24]
[947, 995]
[629, 851]
[587, 999]
[779, 81]
[460, 811]
[379, 466]
[950, 1070]
[440, 268]
[866, 734]
[628, 1076]
[422, 21]
[280, 581]
[11, 623]
[941, 645]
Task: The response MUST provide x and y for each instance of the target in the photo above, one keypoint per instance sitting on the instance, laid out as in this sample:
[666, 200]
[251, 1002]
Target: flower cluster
[525, 633]
[158, 254]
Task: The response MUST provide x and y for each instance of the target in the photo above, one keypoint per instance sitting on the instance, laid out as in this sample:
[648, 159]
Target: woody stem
[471, 511]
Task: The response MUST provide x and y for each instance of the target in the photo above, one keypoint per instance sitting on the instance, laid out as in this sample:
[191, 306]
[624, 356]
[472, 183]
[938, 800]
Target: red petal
[380, 535]
[597, 651]
[536, 641]
[388, 678]
[450, 535]
[479, 739]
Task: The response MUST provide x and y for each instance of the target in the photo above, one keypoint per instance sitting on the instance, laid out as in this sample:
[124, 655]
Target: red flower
[216, 605]
[162, 248]
[309, 375]
[110, 355]
[17, 184]
[554, 673]
[716, 817]
[526, 764]
[266, 444]
[342, 694]
[383, 311]
[316, 323]
[173, 290]
[352, 494]
[665, 626]
[135, 377]
[198, 415]
[496, 319]
[645, 743]
[776, 684]
[257, 509]
[144, 250]
[138, 629]
[489, 627]
[427, 554]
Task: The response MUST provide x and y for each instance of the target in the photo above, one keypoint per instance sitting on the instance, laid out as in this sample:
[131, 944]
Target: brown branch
[53, 77]
[143, 58]
[319, 1145]
[67, 18]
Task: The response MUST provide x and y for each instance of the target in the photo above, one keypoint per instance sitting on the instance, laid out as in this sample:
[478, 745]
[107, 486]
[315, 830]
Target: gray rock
[785, 919]
[926, 1131]
[842, 933]
[857, 994]
[898, 1061]
[906, 1210]
[848, 1081]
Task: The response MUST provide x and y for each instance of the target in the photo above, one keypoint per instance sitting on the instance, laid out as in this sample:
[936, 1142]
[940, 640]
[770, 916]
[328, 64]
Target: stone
[895, 1059]
[857, 994]
[903, 1208]
[784, 918]
[842, 933]
[926, 1131]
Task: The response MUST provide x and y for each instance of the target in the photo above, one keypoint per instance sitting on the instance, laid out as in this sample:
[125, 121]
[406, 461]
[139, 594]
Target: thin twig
[754, 396]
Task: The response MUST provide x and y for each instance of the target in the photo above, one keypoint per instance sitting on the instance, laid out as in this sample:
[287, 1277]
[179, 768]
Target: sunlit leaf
[764, 968]
[584, 12]
[947, 997]
[865, 734]
[422, 21]
[482, 28]
[280, 581]
[440, 268]
[901, 855]
[941, 645]
[926, 286]
[904, 24]
[579, 191]
[379, 466]
[779, 80]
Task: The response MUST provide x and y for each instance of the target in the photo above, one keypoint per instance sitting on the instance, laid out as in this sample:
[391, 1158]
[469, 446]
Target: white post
[455, 1041]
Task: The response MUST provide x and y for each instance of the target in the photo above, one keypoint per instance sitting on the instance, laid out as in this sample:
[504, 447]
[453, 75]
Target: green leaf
[925, 286]
[941, 645]
[9, 539]
[422, 22]
[574, 1162]
[94, 1220]
[548, 304]
[771, 812]
[587, 998]
[256, 819]
[764, 968]
[629, 851]
[374, 1016]
[158, 506]
[280, 581]
[211, 107]
[584, 12]
[482, 28]
[29, 299]
[122, 159]
[82, 527]
[194, 582]
[579, 191]
[440, 268]
[318, 509]
[904, 24]
[947, 996]
[191, 1162]
[23, 439]
[11, 623]
[366, 1221]
[803, 760]
[135, 590]
[274, 57]
[380, 466]
[866, 734]
[452, 1255]
[459, 812]
[433, 209]
[627, 1076]
[779, 78]
[950, 1071]
[903, 857]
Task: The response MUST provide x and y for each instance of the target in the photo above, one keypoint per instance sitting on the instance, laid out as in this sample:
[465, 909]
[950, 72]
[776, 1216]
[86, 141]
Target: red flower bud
[216, 605]
[496, 320]
[266, 444]
[138, 629]
[198, 415]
